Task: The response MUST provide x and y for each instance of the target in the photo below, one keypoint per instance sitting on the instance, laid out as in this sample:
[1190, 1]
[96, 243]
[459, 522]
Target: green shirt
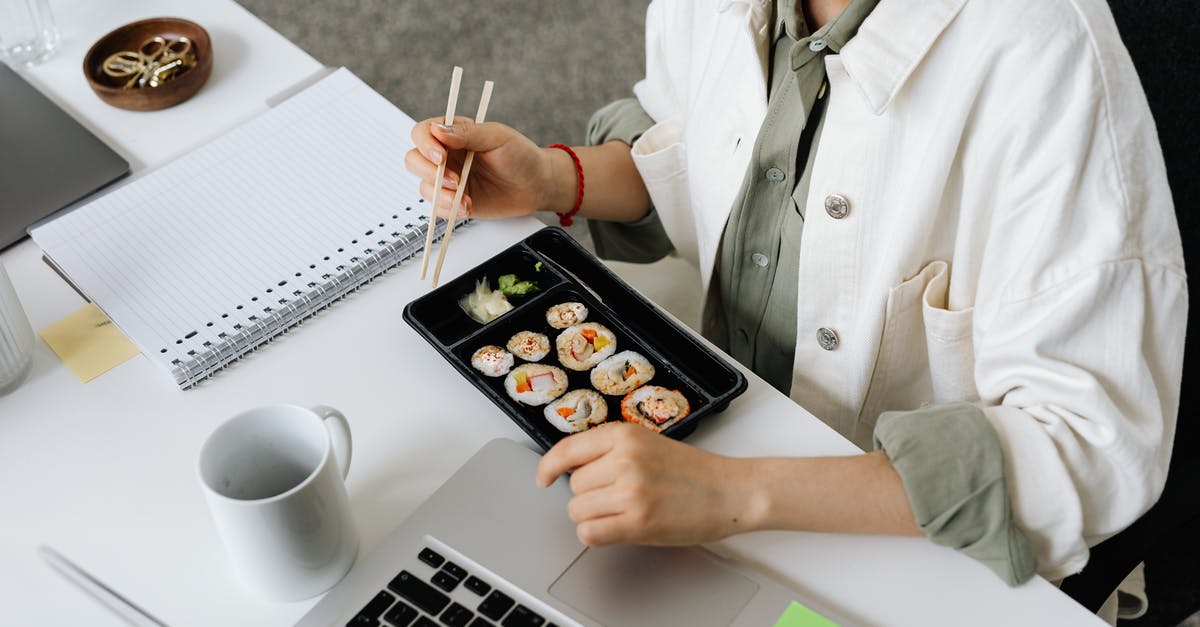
[758, 268]
[757, 271]
[948, 456]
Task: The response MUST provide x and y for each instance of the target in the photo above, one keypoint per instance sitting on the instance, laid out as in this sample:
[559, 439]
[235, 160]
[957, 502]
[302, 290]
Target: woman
[942, 227]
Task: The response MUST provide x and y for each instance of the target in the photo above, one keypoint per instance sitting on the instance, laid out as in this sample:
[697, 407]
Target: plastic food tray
[568, 272]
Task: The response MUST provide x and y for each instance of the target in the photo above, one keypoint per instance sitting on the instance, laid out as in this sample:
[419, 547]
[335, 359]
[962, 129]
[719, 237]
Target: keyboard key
[362, 621]
[444, 581]
[456, 616]
[477, 585]
[381, 602]
[522, 616]
[425, 621]
[496, 605]
[431, 557]
[456, 571]
[479, 622]
[421, 594]
[400, 615]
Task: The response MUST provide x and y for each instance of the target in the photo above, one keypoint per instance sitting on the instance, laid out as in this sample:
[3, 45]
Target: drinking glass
[28, 34]
[16, 337]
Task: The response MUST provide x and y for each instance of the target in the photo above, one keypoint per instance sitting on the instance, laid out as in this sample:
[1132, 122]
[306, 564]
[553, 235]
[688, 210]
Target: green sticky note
[797, 615]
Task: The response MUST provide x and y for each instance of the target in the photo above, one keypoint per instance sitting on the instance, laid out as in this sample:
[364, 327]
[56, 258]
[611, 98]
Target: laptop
[47, 159]
[491, 548]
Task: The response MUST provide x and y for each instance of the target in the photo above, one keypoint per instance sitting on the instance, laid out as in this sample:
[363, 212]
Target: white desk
[104, 472]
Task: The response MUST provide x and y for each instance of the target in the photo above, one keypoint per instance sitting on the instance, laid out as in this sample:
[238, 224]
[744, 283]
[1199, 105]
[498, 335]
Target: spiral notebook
[217, 252]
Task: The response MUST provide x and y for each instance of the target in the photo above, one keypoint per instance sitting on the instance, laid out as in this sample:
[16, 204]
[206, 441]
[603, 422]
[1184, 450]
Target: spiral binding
[205, 364]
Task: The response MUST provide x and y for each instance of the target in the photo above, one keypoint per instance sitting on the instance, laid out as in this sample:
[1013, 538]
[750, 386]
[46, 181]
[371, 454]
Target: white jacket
[1010, 241]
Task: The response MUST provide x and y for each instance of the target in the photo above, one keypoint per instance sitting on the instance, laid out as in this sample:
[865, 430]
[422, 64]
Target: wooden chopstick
[462, 183]
[431, 226]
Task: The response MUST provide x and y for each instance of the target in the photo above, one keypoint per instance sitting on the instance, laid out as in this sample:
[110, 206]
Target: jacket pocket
[926, 352]
[661, 158]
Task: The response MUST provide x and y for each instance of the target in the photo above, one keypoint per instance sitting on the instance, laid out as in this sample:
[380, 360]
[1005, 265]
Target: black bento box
[568, 272]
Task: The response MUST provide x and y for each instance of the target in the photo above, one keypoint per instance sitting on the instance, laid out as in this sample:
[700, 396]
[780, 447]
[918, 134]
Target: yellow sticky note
[89, 343]
[797, 615]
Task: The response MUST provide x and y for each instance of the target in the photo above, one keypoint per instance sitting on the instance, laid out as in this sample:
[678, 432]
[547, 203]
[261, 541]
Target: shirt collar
[831, 37]
[890, 44]
[789, 21]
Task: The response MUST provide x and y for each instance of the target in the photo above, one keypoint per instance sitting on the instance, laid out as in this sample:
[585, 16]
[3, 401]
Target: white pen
[110, 598]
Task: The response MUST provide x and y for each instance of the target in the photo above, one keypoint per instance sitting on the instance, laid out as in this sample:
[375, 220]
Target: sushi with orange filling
[654, 407]
[535, 384]
[576, 411]
[582, 346]
[622, 373]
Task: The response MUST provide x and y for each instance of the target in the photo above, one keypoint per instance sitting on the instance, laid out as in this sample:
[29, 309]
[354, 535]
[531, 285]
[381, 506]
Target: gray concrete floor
[554, 62]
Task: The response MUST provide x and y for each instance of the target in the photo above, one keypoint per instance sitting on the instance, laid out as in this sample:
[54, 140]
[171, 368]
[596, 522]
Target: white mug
[274, 480]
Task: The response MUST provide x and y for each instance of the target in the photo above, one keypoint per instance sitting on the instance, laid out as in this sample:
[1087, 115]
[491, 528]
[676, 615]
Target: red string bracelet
[565, 218]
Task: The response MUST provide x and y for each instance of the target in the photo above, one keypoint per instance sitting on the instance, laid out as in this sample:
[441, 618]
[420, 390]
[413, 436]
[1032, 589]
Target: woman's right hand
[510, 176]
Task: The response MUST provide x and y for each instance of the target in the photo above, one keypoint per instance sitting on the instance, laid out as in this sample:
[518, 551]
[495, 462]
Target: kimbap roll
[654, 407]
[564, 315]
[529, 346]
[622, 373]
[577, 410]
[535, 384]
[492, 361]
[584, 345]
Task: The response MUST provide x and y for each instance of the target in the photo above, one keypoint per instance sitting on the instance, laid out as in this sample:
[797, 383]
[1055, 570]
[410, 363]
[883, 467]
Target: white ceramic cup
[274, 480]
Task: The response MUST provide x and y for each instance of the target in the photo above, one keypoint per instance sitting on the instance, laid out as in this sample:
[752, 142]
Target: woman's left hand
[635, 486]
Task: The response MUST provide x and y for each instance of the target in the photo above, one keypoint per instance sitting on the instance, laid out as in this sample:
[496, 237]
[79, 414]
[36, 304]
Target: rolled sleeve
[952, 465]
[645, 240]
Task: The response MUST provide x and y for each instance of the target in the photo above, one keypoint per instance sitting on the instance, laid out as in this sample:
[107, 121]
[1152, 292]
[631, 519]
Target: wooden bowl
[131, 37]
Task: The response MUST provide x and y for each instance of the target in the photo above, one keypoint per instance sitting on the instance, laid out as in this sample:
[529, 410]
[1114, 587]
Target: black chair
[1162, 38]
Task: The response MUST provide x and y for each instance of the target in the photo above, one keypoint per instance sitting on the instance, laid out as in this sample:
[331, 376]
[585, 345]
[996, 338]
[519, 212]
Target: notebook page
[224, 237]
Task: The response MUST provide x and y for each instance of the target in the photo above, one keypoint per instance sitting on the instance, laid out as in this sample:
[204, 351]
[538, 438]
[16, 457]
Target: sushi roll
[492, 361]
[584, 345]
[529, 346]
[535, 384]
[654, 407]
[577, 410]
[622, 373]
[564, 315]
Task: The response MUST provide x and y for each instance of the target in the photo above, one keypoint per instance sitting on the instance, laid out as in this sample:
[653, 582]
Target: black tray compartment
[570, 273]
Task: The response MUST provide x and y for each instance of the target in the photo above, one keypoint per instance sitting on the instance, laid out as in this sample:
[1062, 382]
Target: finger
[594, 476]
[597, 504]
[444, 200]
[467, 134]
[464, 207]
[426, 143]
[572, 452]
[616, 529]
[426, 170]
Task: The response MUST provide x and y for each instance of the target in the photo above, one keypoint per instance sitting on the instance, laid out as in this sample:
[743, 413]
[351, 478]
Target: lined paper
[251, 231]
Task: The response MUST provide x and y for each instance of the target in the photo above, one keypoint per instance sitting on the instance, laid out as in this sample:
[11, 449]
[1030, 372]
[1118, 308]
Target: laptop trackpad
[648, 586]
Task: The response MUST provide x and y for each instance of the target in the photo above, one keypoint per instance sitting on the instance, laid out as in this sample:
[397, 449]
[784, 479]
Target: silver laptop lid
[47, 159]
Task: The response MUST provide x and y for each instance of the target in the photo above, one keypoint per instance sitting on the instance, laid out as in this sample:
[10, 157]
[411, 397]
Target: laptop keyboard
[424, 600]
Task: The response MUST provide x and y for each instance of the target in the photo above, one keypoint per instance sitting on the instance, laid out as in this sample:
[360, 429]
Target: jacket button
[827, 339]
[837, 206]
[817, 45]
[775, 175]
[760, 260]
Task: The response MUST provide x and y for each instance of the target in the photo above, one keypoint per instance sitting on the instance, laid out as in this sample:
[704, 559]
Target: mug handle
[339, 432]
